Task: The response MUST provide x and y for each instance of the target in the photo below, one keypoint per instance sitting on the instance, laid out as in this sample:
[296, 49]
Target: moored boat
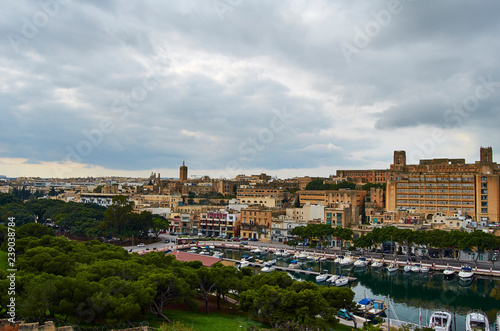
[424, 269]
[332, 279]
[364, 304]
[497, 324]
[338, 259]
[476, 320]
[342, 281]
[377, 264]
[416, 267]
[393, 267]
[449, 272]
[376, 308]
[244, 264]
[267, 269]
[294, 264]
[466, 272]
[407, 267]
[440, 321]
[361, 262]
[270, 263]
[346, 261]
[323, 276]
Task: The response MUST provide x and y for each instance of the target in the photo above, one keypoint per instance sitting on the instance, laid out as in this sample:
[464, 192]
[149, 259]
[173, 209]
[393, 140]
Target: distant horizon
[216, 173]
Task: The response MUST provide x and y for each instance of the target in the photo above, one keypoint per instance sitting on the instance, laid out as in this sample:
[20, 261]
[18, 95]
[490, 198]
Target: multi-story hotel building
[446, 186]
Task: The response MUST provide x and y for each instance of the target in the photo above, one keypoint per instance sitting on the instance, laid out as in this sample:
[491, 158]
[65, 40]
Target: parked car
[141, 245]
[167, 241]
[244, 238]
[235, 239]
[253, 239]
[244, 243]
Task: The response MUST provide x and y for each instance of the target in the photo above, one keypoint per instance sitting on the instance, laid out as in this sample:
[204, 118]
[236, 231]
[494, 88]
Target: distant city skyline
[290, 88]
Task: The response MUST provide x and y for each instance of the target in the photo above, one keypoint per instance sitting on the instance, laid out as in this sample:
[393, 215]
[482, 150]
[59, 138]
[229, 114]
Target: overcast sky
[289, 88]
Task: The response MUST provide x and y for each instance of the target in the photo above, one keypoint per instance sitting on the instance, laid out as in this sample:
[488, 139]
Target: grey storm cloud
[204, 81]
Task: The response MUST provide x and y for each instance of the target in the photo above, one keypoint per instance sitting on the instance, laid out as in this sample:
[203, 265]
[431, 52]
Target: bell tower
[183, 172]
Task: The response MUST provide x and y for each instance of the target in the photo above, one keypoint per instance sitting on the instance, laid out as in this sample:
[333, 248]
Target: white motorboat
[204, 252]
[211, 247]
[346, 261]
[270, 263]
[407, 268]
[332, 279]
[324, 258]
[194, 248]
[497, 324]
[338, 259]
[323, 276]
[279, 252]
[416, 267]
[466, 272]
[268, 269]
[256, 251]
[424, 269]
[361, 262]
[449, 272]
[342, 281]
[440, 321]
[377, 264]
[476, 320]
[303, 256]
[393, 267]
[285, 254]
[294, 264]
[218, 255]
[244, 264]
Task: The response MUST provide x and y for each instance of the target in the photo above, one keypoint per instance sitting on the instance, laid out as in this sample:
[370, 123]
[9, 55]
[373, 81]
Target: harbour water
[413, 296]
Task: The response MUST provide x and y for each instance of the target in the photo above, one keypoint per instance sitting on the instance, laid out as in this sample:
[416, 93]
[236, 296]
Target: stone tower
[183, 172]
[486, 155]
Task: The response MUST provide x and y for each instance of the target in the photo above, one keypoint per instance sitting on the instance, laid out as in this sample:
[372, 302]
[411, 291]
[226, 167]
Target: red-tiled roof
[207, 261]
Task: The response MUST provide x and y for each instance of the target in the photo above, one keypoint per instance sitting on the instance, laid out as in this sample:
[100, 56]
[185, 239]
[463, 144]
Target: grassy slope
[213, 321]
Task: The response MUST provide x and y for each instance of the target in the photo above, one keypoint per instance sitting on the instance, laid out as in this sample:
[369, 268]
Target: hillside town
[445, 194]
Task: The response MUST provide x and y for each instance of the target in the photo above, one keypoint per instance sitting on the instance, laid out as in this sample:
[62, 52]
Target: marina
[413, 297]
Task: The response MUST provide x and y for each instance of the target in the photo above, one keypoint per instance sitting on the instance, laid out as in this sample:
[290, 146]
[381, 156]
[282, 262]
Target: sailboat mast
[388, 313]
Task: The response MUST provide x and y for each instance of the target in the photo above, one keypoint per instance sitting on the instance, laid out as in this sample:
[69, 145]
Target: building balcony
[254, 227]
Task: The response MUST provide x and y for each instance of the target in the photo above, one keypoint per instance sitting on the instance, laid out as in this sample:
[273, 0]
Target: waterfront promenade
[481, 268]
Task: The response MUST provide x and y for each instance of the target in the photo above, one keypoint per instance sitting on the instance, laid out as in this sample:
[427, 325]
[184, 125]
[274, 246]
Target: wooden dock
[286, 269]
